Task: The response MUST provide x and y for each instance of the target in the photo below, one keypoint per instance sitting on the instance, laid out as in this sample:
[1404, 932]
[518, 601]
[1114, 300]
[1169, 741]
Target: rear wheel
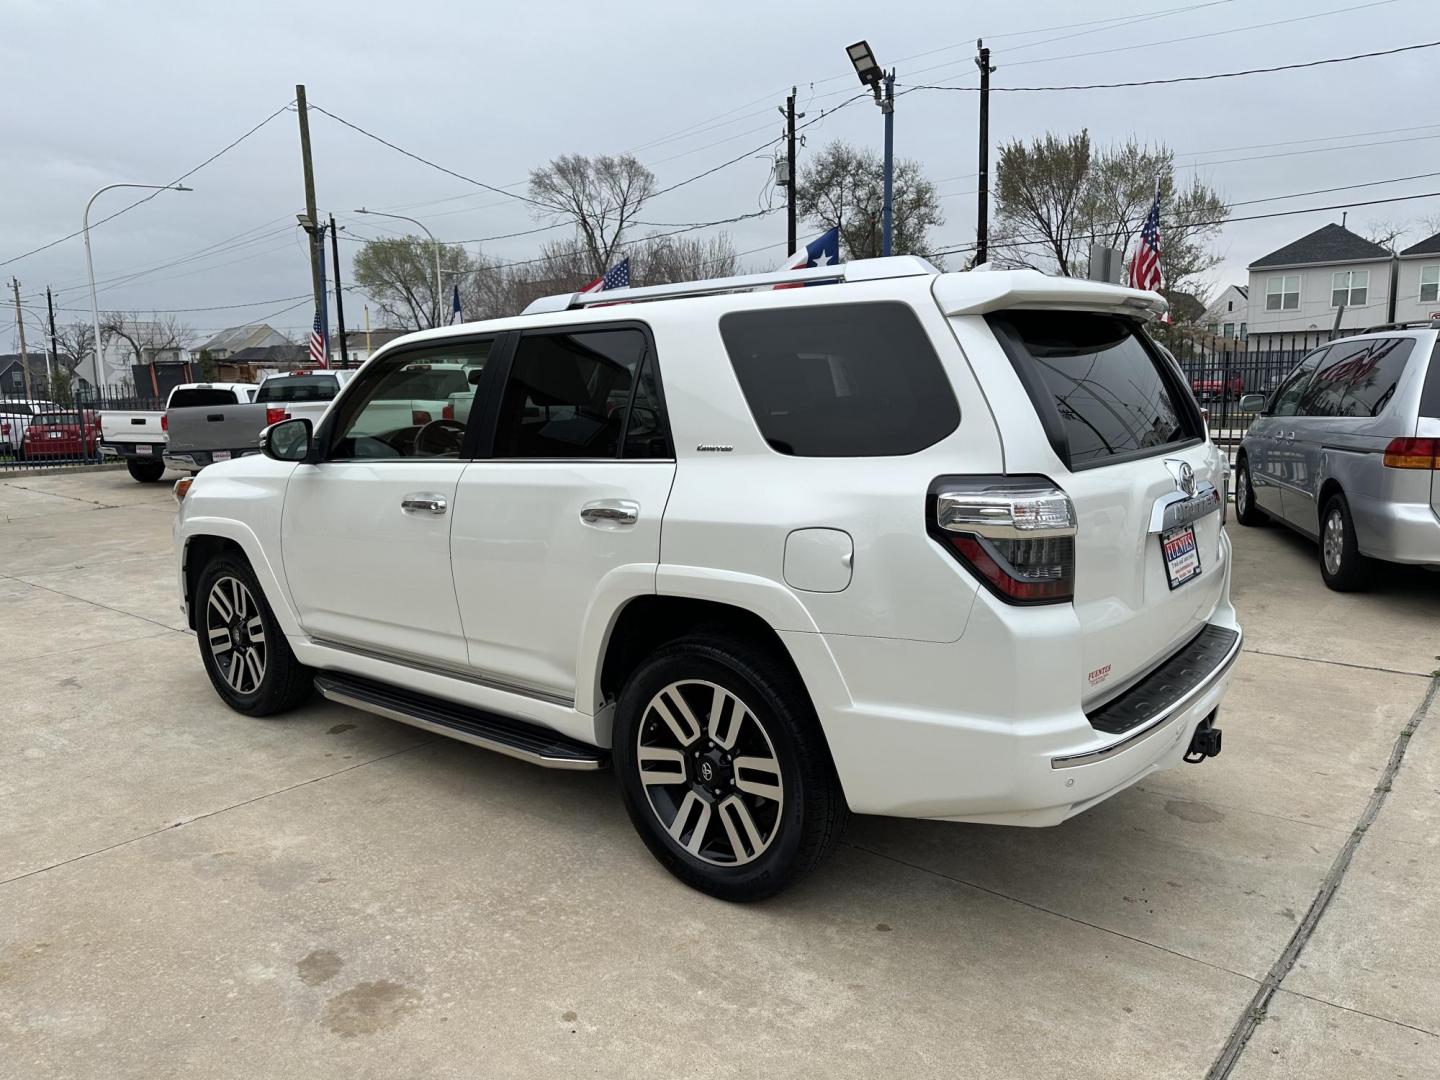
[147, 472]
[1341, 564]
[723, 768]
[244, 650]
[1246, 512]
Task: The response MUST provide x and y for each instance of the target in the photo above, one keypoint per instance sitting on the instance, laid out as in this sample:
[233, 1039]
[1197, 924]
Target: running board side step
[513, 738]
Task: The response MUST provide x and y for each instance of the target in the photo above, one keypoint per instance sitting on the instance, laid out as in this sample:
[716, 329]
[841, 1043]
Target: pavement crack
[1245, 1025]
[1338, 663]
[106, 607]
[1048, 911]
[1361, 1012]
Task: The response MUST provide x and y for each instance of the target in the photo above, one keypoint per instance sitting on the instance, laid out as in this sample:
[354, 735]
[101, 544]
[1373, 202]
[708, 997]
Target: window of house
[1229, 330]
[1429, 284]
[1229, 305]
[1242, 329]
[1282, 292]
[1349, 288]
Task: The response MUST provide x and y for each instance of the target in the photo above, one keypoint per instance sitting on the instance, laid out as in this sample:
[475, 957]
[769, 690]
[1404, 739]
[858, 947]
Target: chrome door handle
[610, 512]
[424, 501]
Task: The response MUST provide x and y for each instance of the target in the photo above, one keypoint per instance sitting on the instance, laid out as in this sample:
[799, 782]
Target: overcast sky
[142, 91]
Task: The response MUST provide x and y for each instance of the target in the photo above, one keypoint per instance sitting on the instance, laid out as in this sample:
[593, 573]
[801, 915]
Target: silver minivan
[1346, 451]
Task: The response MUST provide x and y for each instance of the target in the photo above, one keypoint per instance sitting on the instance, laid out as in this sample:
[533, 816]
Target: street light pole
[433, 243]
[887, 106]
[90, 264]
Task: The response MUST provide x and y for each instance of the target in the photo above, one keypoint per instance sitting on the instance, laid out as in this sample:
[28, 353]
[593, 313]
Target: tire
[1246, 512]
[1341, 564]
[777, 816]
[147, 472]
[254, 675]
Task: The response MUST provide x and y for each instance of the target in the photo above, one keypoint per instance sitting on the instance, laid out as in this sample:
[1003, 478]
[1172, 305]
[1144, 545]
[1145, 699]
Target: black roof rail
[1413, 324]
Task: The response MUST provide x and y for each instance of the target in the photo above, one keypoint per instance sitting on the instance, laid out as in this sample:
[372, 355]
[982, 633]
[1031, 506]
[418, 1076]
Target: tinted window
[201, 397]
[58, 418]
[1430, 394]
[645, 434]
[1286, 399]
[1114, 395]
[411, 404]
[841, 380]
[1356, 378]
[569, 395]
[14, 410]
[298, 388]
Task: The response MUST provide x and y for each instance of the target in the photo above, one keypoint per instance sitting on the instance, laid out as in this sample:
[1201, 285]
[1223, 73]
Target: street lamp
[872, 75]
[90, 265]
[433, 243]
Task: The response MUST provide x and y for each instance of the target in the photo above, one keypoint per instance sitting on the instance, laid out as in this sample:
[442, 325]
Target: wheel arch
[205, 539]
[1330, 487]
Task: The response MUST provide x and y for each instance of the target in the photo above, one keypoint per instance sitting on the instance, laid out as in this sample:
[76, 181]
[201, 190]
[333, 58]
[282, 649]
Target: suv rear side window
[1115, 396]
[299, 388]
[1356, 378]
[201, 397]
[841, 380]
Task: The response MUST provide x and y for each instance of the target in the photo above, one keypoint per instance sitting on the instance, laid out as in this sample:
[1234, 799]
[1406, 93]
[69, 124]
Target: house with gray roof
[225, 344]
[1297, 291]
[1417, 282]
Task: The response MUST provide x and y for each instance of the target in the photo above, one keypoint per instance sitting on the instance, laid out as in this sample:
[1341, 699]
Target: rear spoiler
[979, 293]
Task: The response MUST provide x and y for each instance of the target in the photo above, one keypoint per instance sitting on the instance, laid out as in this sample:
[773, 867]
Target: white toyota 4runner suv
[911, 543]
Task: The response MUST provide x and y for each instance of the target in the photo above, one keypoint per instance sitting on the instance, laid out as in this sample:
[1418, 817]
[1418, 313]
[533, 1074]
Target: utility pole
[20, 328]
[54, 364]
[982, 207]
[311, 223]
[790, 239]
[339, 300]
[887, 106]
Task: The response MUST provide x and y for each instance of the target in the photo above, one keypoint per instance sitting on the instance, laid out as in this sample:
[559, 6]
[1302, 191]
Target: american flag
[1145, 266]
[317, 342]
[617, 277]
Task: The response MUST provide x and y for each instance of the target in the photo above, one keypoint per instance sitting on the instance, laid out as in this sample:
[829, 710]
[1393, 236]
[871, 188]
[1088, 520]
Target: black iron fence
[63, 430]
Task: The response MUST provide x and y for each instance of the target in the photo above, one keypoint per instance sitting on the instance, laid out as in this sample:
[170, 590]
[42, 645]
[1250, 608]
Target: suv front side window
[415, 403]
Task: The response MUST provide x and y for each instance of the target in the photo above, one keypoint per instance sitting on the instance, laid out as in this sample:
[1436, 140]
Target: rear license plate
[142, 448]
[57, 434]
[1182, 555]
[221, 455]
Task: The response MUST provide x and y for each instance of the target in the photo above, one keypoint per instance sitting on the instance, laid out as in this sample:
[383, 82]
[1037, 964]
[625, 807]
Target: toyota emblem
[1186, 480]
[707, 772]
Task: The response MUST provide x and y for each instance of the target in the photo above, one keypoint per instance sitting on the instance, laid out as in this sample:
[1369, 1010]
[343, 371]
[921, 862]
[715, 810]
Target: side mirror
[1252, 402]
[474, 376]
[289, 440]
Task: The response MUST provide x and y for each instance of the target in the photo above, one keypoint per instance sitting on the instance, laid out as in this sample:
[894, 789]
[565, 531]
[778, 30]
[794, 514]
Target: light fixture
[865, 65]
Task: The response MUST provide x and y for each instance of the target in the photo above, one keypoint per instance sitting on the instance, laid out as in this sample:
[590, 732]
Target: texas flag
[824, 250]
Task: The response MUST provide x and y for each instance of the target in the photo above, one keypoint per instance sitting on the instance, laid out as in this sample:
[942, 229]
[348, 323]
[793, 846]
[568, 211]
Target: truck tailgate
[215, 427]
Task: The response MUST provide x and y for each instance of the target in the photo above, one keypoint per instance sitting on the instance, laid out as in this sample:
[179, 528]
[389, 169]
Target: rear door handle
[610, 512]
[424, 502]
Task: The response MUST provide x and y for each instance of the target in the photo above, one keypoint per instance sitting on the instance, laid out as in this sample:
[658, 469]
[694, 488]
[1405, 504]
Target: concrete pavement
[186, 892]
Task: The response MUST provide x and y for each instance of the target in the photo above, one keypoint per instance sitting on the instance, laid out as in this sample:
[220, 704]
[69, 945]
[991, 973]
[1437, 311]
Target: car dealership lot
[184, 891]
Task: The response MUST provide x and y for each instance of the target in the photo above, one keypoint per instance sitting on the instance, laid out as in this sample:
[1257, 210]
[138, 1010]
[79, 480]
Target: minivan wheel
[723, 768]
[147, 472]
[1246, 512]
[1341, 564]
[243, 648]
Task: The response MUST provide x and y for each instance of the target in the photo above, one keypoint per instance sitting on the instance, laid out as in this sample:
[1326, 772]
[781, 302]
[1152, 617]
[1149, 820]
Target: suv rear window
[201, 398]
[841, 380]
[1113, 395]
[299, 388]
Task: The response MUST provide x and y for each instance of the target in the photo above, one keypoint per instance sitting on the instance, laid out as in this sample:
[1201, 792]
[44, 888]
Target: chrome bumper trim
[1158, 723]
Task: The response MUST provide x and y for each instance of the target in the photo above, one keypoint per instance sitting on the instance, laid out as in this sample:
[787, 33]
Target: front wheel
[724, 770]
[146, 472]
[242, 646]
[1246, 512]
[1341, 564]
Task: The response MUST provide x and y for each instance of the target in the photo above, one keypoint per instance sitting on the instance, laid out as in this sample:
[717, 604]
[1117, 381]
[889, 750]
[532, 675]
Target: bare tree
[1388, 234]
[1040, 198]
[599, 195]
[682, 258]
[398, 273]
[844, 186]
[147, 339]
[75, 342]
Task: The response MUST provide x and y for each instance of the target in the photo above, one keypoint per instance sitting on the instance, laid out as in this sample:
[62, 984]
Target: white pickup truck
[140, 438]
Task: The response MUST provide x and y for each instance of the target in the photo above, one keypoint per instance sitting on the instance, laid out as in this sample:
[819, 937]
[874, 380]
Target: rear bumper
[195, 460]
[132, 450]
[1402, 532]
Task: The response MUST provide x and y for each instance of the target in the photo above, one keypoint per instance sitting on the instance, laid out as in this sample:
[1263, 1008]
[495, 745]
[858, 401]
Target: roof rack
[860, 270]
[1413, 324]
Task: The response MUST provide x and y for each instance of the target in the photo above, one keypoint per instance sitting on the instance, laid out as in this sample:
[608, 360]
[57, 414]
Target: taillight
[274, 416]
[1413, 454]
[419, 416]
[1016, 533]
[447, 413]
[164, 421]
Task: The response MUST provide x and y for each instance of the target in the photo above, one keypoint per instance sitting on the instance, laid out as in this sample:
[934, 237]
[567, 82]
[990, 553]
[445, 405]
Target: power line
[1192, 78]
[183, 176]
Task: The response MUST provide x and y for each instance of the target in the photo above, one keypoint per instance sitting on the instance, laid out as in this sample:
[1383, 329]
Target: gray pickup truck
[225, 430]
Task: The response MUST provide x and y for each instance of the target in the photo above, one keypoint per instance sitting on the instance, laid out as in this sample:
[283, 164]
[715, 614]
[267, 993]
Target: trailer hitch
[1205, 743]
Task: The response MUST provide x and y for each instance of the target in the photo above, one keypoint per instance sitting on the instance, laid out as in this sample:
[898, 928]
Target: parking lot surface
[187, 892]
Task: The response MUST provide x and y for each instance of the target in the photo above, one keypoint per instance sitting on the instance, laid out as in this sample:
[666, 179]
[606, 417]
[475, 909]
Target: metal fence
[60, 431]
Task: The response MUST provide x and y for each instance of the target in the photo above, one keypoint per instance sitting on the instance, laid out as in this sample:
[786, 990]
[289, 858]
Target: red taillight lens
[447, 413]
[1017, 534]
[274, 416]
[164, 422]
[419, 416]
[1413, 454]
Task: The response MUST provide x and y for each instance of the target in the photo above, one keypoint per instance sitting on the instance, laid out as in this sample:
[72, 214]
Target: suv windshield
[298, 388]
[1111, 393]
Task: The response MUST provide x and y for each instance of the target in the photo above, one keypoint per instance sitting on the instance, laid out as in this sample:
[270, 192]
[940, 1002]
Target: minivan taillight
[1413, 454]
[274, 416]
[1015, 533]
